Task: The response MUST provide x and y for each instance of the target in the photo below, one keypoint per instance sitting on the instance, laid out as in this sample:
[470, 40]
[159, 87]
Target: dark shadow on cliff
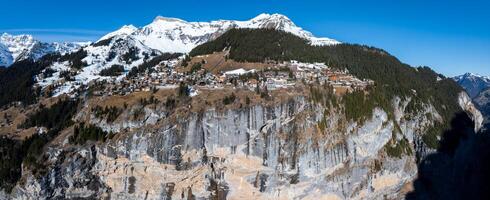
[460, 169]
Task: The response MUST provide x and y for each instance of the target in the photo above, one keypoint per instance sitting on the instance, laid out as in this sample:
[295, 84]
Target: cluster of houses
[288, 74]
[341, 80]
[284, 75]
[162, 77]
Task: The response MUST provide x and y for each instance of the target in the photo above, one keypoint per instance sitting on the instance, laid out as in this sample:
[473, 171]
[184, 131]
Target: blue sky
[452, 37]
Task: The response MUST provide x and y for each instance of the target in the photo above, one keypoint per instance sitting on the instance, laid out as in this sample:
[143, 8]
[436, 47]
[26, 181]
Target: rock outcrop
[259, 152]
[468, 106]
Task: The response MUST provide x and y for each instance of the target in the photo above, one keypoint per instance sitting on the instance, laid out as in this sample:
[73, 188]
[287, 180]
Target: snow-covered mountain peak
[128, 29]
[17, 38]
[131, 46]
[276, 21]
[472, 76]
[124, 30]
[271, 18]
[168, 34]
[282, 22]
[473, 83]
[19, 47]
[167, 19]
[17, 44]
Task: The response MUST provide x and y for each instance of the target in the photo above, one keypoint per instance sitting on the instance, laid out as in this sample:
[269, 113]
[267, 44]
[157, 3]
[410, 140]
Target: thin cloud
[71, 31]
[65, 38]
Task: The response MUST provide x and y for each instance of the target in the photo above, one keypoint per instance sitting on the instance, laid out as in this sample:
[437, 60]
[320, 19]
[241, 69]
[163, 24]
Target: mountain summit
[20, 47]
[176, 35]
[473, 83]
[164, 34]
[259, 109]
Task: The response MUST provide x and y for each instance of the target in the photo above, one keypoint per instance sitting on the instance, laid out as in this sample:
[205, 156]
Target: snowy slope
[102, 57]
[17, 45]
[176, 35]
[66, 47]
[162, 35]
[5, 56]
[125, 30]
[20, 47]
[98, 57]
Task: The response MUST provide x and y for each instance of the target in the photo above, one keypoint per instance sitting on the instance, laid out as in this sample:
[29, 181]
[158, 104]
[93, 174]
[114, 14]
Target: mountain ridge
[478, 87]
[473, 83]
[163, 35]
[168, 34]
[15, 48]
[123, 119]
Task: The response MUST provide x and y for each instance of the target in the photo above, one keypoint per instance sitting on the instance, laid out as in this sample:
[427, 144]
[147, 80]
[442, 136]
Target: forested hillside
[392, 77]
[16, 81]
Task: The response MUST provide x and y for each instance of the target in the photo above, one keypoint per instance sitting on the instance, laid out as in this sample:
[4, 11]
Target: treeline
[110, 113]
[398, 148]
[75, 59]
[183, 90]
[131, 55]
[103, 42]
[114, 70]
[17, 80]
[359, 105]
[195, 68]
[148, 65]
[13, 153]
[11, 157]
[229, 99]
[152, 100]
[392, 77]
[83, 133]
[56, 116]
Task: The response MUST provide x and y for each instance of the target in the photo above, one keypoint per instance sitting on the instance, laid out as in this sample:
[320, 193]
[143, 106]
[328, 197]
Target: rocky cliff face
[259, 152]
[467, 105]
[482, 102]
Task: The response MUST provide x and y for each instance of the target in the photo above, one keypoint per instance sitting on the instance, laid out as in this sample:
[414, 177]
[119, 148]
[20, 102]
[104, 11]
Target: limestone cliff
[259, 151]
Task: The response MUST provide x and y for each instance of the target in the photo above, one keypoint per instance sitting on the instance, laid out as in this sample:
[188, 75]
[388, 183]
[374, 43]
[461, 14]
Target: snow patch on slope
[97, 59]
[162, 35]
[125, 30]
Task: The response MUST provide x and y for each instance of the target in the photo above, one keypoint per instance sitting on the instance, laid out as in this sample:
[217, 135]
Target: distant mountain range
[130, 46]
[473, 83]
[478, 88]
[163, 34]
[21, 47]
[482, 101]
[176, 35]
[129, 116]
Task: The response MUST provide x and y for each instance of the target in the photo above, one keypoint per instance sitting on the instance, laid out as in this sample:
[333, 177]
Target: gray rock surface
[259, 152]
